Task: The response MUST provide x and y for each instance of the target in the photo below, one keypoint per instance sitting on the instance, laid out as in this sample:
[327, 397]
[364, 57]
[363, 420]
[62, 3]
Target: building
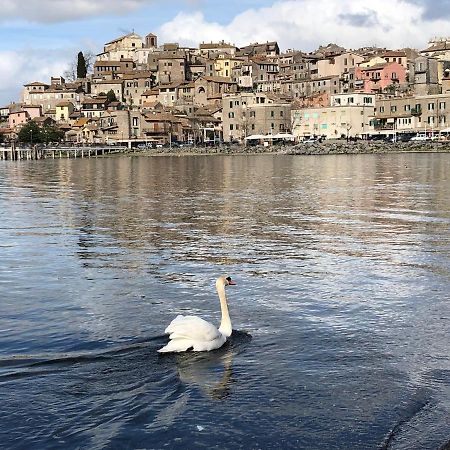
[246, 113]
[428, 113]
[350, 115]
[379, 77]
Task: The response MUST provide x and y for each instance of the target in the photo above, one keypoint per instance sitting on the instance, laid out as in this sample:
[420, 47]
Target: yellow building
[63, 111]
[224, 65]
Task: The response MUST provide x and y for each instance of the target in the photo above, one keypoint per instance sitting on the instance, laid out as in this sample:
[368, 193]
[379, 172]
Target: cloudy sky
[39, 38]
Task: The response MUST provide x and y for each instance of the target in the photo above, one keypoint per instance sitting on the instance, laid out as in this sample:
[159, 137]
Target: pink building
[18, 118]
[378, 77]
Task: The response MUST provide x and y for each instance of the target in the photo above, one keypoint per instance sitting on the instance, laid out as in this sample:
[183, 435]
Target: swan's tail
[176, 345]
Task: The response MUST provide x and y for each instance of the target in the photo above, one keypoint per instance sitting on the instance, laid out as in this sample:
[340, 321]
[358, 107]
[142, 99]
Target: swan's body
[191, 332]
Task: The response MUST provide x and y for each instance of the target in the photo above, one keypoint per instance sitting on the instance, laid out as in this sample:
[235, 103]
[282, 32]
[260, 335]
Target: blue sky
[39, 38]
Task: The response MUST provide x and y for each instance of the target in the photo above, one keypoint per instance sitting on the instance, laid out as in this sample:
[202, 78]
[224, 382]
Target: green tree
[51, 133]
[81, 66]
[111, 96]
[2, 138]
[30, 133]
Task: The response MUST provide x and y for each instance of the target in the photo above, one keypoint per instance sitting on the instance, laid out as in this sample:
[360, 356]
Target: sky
[41, 38]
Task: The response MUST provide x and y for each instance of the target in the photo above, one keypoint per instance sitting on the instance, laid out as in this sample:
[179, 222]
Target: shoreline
[340, 147]
[323, 148]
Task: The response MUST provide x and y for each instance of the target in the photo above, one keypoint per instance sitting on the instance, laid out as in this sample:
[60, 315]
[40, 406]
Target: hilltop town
[139, 93]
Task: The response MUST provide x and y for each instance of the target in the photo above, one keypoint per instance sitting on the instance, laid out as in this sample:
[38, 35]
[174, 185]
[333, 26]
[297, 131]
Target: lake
[341, 312]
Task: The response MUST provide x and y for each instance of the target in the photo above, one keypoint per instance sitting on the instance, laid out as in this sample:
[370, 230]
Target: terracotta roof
[212, 45]
[393, 53]
[36, 83]
[81, 122]
[64, 103]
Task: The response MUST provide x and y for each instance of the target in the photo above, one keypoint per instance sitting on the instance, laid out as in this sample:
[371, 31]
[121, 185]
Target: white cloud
[305, 24]
[21, 67]
[48, 11]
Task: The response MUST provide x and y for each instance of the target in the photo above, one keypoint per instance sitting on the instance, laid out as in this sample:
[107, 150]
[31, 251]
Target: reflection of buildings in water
[210, 371]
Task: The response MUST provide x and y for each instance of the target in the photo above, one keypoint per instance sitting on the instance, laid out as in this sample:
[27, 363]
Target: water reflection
[212, 371]
[342, 265]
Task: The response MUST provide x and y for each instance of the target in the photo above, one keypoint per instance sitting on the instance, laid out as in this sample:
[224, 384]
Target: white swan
[188, 332]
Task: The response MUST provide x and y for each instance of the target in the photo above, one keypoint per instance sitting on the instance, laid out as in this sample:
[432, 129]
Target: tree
[30, 133]
[111, 96]
[71, 74]
[51, 133]
[81, 66]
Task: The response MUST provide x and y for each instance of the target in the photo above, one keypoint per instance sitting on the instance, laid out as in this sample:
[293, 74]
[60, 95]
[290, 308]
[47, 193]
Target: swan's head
[225, 281]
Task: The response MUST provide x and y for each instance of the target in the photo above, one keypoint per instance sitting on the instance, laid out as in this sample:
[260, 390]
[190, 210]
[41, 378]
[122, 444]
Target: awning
[254, 137]
[283, 136]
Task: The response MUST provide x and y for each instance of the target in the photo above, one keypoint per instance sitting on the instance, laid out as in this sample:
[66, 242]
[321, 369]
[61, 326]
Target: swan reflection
[212, 371]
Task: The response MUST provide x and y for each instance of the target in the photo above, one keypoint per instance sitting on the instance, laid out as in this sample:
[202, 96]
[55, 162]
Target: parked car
[420, 137]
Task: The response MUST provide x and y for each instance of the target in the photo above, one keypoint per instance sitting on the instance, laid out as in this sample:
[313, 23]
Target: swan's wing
[192, 327]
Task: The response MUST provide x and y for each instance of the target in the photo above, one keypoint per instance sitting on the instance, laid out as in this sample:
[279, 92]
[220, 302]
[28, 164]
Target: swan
[186, 332]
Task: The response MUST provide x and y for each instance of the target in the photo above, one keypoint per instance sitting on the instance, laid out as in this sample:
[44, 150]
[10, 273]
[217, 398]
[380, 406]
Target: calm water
[341, 312]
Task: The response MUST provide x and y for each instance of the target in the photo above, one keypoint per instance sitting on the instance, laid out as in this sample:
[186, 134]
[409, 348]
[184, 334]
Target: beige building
[337, 64]
[123, 47]
[134, 85]
[171, 68]
[121, 126]
[428, 113]
[101, 87]
[350, 116]
[245, 114]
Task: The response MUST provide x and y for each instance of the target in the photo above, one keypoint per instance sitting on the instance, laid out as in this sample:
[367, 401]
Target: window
[272, 113]
[231, 127]
[430, 106]
[231, 104]
[393, 108]
[281, 113]
[407, 107]
[441, 105]
[381, 109]
[135, 121]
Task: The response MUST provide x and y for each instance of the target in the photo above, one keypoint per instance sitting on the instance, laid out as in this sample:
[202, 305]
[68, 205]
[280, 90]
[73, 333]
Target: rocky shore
[316, 148]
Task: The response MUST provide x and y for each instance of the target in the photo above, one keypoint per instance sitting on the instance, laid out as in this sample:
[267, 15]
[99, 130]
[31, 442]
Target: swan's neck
[225, 324]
